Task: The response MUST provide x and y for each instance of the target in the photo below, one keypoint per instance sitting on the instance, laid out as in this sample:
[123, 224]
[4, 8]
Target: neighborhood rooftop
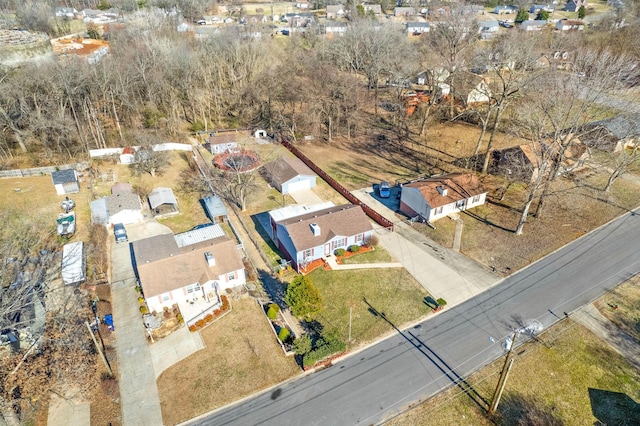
[458, 185]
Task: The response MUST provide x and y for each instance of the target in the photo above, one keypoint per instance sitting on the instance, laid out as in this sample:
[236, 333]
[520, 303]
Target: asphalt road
[421, 361]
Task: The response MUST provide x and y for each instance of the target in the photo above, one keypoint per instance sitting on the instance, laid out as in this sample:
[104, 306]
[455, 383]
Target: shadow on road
[442, 365]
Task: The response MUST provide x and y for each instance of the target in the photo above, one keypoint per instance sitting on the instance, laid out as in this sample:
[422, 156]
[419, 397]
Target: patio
[194, 310]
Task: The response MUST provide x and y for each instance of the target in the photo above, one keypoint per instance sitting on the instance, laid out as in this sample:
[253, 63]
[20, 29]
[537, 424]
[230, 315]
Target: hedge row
[323, 351]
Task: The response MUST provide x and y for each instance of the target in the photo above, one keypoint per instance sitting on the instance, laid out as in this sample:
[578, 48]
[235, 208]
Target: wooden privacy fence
[374, 215]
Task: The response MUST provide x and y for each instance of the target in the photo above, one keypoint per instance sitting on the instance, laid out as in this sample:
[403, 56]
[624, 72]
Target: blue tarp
[108, 319]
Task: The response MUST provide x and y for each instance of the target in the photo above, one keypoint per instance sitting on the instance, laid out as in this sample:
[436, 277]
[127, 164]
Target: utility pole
[502, 381]
[350, 312]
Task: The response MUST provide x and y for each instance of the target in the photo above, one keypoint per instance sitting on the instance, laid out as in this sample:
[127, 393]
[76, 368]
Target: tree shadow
[273, 287]
[487, 222]
[518, 409]
[613, 408]
[432, 356]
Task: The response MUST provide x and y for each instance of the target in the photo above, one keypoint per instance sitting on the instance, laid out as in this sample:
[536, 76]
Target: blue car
[384, 189]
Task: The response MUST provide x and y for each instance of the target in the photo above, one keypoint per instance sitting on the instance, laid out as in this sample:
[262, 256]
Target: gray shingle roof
[286, 168]
[64, 176]
[123, 201]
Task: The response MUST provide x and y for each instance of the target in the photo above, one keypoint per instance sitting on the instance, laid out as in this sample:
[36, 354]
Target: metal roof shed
[73, 265]
[162, 201]
[99, 212]
[215, 209]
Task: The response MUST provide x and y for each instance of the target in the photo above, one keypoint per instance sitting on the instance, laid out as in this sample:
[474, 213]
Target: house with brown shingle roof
[223, 142]
[172, 273]
[311, 236]
[439, 196]
[289, 174]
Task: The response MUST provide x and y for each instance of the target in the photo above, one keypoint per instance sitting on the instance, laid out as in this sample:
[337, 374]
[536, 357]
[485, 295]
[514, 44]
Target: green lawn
[390, 291]
[379, 255]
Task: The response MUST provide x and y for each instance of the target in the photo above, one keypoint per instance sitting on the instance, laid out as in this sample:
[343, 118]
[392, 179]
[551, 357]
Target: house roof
[64, 176]
[217, 139]
[295, 210]
[123, 201]
[459, 186]
[286, 168]
[214, 207]
[121, 187]
[163, 266]
[160, 196]
[345, 220]
[128, 150]
[99, 213]
[199, 235]
[467, 81]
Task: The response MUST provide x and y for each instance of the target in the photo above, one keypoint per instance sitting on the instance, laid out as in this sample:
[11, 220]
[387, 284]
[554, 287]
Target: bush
[272, 311]
[373, 241]
[180, 318]
[193, 328]
[144, 310]
[225, 303]
[340, 252]
[217, 312]
[354, 248]
[140, 299]
[326, 349]
[200, 323]
[283, 334]
[208, 318]
[441, 302]
[303, 298]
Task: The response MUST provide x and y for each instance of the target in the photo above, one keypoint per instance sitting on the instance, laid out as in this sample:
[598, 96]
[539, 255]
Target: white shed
[73, 264]
[65, 181]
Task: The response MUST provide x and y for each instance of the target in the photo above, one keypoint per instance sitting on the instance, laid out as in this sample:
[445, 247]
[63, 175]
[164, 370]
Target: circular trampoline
[238, 161]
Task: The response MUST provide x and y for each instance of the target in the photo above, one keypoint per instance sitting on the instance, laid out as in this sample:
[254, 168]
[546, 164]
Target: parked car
[120, 233]
[384, 189]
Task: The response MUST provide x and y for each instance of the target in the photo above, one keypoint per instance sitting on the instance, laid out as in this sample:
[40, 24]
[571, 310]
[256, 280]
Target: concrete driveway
[306, 196]
[140, 402]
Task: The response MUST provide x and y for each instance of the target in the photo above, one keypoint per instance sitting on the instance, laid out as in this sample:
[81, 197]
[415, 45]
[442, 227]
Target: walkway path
[174, 348]
[590, 317]
[336, 267]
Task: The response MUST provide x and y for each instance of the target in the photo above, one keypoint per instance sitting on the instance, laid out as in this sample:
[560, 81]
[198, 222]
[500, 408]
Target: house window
[231, 276]
[438, 210]
[165, 297]
[192, 288]
[476, 199]
[307, 253]
[460, 204]
[358, 238]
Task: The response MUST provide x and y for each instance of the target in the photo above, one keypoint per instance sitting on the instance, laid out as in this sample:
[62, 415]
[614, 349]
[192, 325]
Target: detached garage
[290, 174]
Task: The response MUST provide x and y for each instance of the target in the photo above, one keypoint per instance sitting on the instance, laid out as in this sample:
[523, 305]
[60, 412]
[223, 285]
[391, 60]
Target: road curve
[421, 361]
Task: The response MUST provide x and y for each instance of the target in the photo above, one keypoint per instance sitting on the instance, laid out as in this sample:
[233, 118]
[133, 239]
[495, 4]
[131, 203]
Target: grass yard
[627, 298]
[378, 255]
[240, 358]
[562, 385]
[392, 291]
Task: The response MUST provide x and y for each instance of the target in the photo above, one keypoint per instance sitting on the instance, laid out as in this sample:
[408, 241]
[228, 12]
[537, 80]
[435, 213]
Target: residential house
[220, 143]
[471, 89]
[163, 202]
[65, 181]
[292, 210]
[215, 209]
[290, 174]
[404, 11]
[416, 28]
[531, 25]
[535, 8]
[505, 10]
[488, 29]
[559, 59]
[372, 9]
[336, 11]
[197, 272]
[335, 28]
[613, 134]
[255, 19]
[439, 196]
[124, 203]
[299, 20]
[574, 5]
[303, 5]
[472, 9]
[570, 25]
[311, 236]
[523, 162]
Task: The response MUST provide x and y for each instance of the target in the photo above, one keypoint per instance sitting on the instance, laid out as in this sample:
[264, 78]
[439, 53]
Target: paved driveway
[140, 402]
[306, 196]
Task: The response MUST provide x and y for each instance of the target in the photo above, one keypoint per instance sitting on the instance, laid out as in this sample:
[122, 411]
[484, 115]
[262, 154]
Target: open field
[241, 357]
[573, 379]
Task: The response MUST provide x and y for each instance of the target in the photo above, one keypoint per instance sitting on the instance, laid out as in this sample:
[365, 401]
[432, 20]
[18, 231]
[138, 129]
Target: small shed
[128, 155]
[289, 174]
[215, 209]
[224, 142]
[163, 202]
[99, 213]
[73, 263]
[65, 181]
